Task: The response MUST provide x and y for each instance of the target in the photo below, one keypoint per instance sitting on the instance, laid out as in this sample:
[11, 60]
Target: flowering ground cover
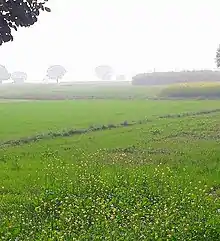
[153, 180]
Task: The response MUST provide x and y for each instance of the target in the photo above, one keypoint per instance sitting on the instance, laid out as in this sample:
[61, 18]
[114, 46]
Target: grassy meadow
[77, 90]
[23, 119]
[157, 179]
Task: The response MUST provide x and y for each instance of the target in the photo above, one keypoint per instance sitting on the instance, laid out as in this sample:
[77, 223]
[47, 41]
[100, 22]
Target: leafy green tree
[19, 13]
[217, 57]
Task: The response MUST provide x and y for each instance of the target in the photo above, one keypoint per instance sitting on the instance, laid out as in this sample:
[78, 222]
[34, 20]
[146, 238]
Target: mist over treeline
[164, 78]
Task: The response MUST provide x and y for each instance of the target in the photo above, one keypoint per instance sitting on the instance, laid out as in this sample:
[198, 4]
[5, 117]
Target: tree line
[165, 78]
[54, 72]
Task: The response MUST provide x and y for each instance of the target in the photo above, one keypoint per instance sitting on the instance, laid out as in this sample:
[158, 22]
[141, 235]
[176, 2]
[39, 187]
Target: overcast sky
[130, 35]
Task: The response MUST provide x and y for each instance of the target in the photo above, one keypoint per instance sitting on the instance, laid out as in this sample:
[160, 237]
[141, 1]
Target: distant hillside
[165, 78]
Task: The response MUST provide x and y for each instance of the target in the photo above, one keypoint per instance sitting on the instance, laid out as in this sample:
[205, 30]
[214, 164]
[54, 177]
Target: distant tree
[19, 13]
[18, 77]
[56, 72]
[4, 74]
[107, 76]
[166, 78]
[120, 77]
[217, 57]
[104, 72]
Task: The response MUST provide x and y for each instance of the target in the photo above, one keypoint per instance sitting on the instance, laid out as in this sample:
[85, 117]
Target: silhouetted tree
[56, 72]
[18, 77]
[19, 13]
[217, 57]
[4, 74]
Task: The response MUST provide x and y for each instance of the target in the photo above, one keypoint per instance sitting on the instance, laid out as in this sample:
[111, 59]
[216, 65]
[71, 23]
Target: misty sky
[130, 35]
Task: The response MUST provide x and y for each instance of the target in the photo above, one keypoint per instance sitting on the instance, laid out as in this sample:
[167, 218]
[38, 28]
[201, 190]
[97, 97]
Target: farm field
[62, 91]
[153, 180]
[23, 119]
[202, 90]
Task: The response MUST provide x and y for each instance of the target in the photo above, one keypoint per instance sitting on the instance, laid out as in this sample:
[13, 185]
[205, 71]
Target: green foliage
[127, 204]
[19, 13]
[43, 117]
[150, 181]
[202, 90]
[94, 128]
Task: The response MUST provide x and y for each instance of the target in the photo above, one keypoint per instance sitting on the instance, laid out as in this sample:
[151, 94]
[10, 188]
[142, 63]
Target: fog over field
[109, 120]
[132, 37]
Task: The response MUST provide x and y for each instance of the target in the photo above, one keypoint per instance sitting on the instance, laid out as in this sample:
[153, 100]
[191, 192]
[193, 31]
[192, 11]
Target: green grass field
[159, 180]
[103, 90]
[22, 119]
